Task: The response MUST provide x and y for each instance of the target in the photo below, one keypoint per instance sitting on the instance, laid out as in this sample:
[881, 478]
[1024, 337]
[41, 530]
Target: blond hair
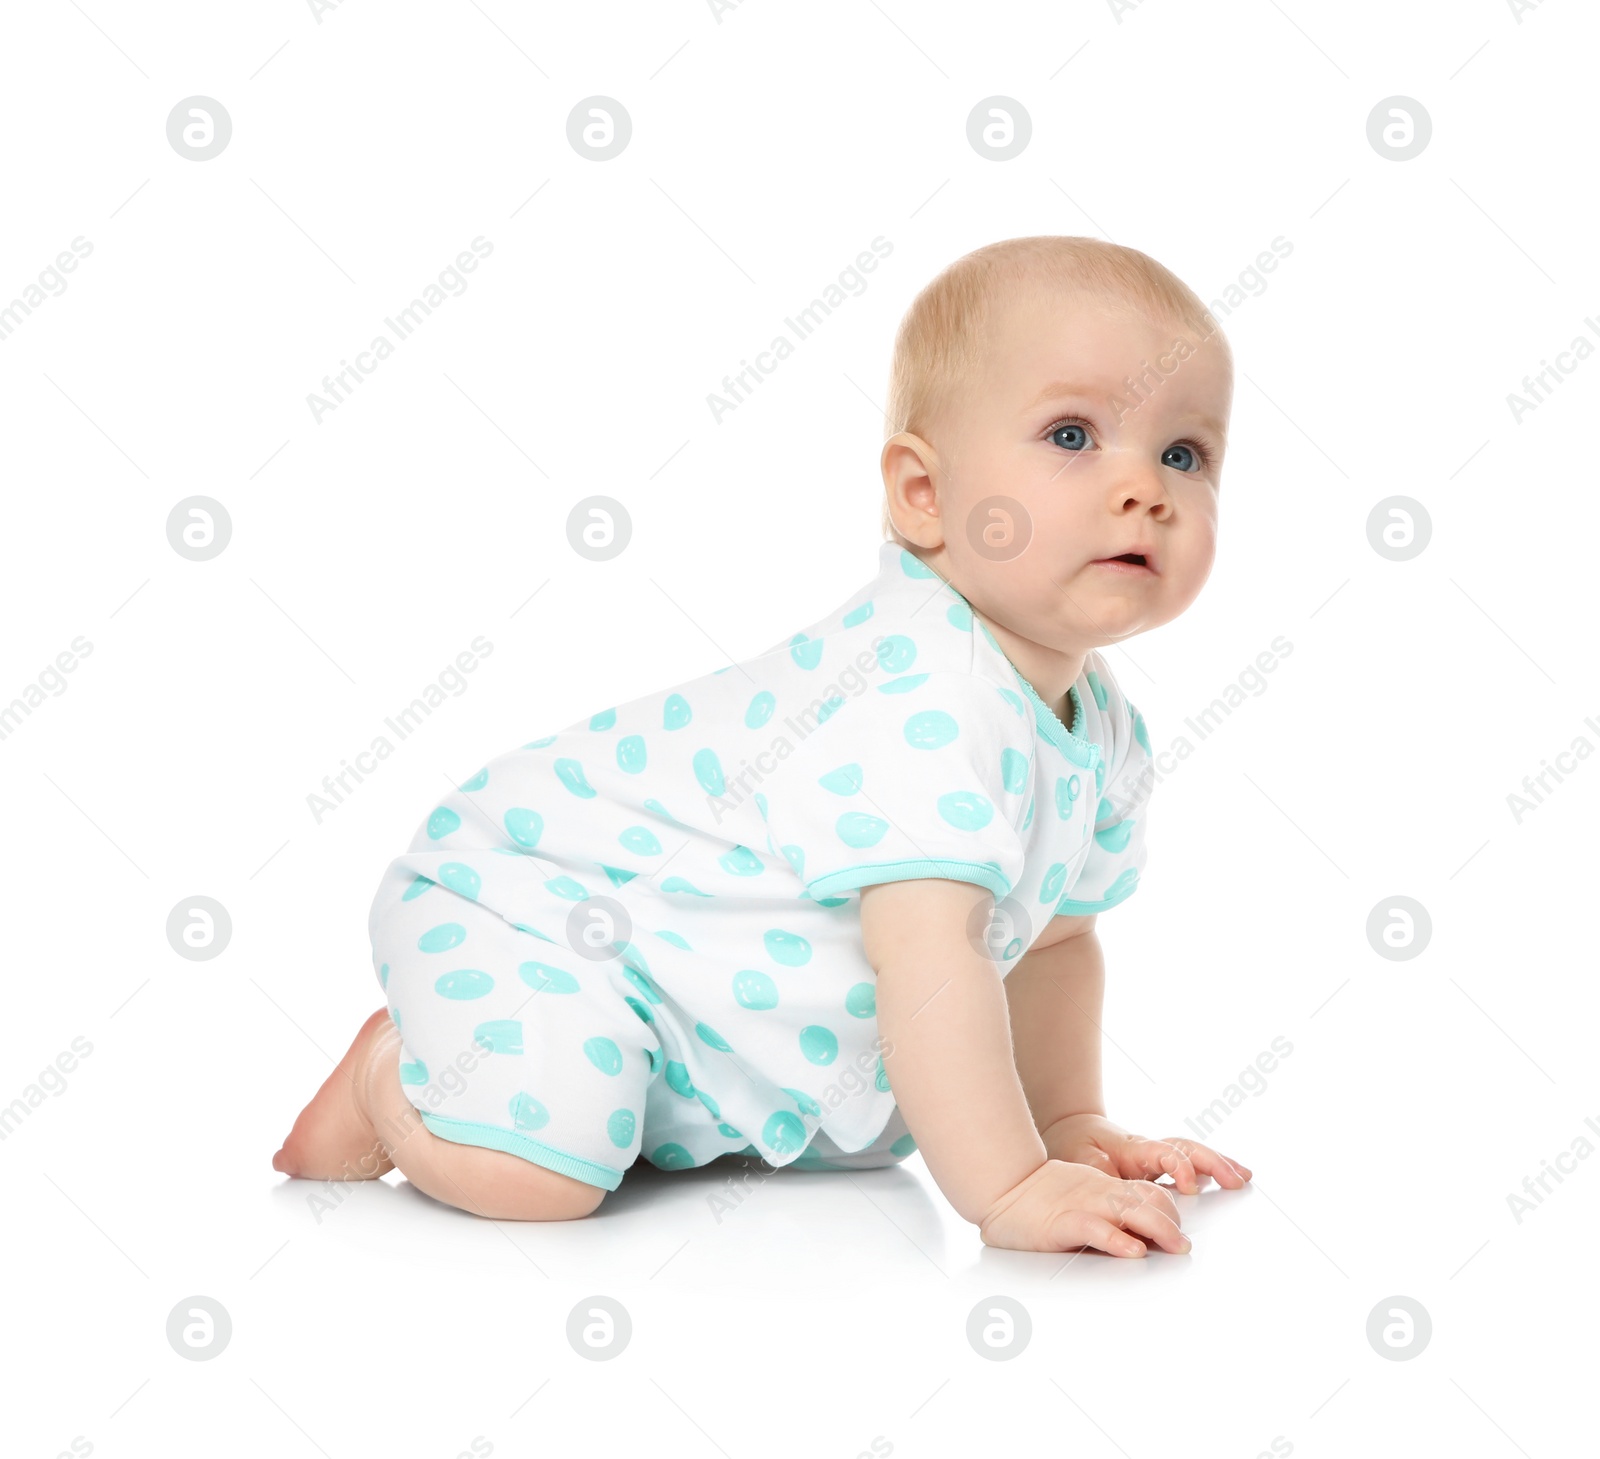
[940, 341]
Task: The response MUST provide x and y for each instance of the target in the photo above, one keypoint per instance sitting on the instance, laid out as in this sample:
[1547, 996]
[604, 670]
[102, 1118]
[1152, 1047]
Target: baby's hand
[1091, 1139]
[1061, 1205]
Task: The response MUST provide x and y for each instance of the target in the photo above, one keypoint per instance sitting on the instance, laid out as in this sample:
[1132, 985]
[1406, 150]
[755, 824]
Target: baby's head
[1053, 402]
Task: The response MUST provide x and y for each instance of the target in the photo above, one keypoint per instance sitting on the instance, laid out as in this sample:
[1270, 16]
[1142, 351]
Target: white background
[769, 148]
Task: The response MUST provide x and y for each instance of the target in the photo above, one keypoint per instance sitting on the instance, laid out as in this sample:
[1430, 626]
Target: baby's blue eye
[1184, 454]
[1070, 436]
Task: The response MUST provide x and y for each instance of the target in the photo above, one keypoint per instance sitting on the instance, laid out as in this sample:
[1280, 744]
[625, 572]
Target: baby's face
[1100, 432]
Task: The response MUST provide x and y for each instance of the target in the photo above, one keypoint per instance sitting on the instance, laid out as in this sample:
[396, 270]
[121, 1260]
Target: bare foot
[333, 1139]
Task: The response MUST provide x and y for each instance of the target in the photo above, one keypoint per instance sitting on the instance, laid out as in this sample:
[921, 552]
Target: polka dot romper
[642, 934]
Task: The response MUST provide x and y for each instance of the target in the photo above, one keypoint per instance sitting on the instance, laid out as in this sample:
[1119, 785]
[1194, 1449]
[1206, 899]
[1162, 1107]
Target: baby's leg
[362, 1116]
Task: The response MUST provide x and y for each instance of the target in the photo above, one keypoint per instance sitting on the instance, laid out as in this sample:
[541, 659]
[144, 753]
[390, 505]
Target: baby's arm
[1055, 995]
[942, 1014]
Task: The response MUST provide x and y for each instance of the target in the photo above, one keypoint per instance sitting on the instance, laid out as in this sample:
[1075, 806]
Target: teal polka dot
[903, 685]
[788, 948]
[543, 978]
[1140, 733]
[796, 857]
[461, 879]
[861, 1001]
[603, 1054]
[760, 710]
[881, 1079]
[383, 976]
[477, 782]
[414, 1073]
[678, 1080]
[1097, 689]
[710, 1036]
[966, 810]
[752, 989]
[570, 773]
[682, 884]
[443, 937]
[442, 822]
[540, 744]
[914, 567]
[806, 652]
[959, 616]
[858, 829]
[604, 720]
[523, 826]
[463, 984]
[846, 780]
[656, 1058]
[733, 1134]
[741, 861]
[932, 729]
[820, 1045]
[783, 1132]
[903, 1147]
[671, 1156]
[1014, 699]
[631, 754]
[418, 886]
[641, 841]
[499, 1036]
[858, 615]
[709, 1103]
[675, 938]
[1099, 776]
[675, 712]
[643, 984]
[803, 1101]
[896, 654]
[761, 804]
[639, 1008]
[1068, 789]
[657, 809]
[616, 875]
[619, 1128]
[527, 1113]
[1027, 820]
[1123, 886]
[1013, 769]
[708, 771]
[567, 889]
[532, 932]
[1050, 888]
[1115, 838]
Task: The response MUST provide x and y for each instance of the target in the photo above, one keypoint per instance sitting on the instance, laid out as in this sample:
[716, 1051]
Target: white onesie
[642, 933]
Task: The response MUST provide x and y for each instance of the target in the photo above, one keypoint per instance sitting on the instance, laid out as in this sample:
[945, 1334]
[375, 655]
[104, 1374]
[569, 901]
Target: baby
[836, 903]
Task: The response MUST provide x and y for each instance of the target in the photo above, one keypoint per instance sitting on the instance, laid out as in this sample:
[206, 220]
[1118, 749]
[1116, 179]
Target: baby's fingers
[1149, 1211]
[1229, 1174]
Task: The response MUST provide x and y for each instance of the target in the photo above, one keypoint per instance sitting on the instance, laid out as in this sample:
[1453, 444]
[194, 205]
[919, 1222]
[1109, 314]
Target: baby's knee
[519, 1190]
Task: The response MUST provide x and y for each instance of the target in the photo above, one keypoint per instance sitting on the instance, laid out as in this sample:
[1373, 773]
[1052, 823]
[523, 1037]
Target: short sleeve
[926, 780]
[1110, 873]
